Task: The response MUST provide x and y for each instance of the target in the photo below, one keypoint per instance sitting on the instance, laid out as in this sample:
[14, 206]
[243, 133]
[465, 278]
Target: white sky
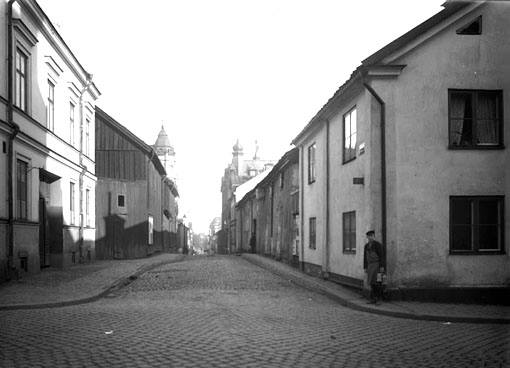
[216, 70]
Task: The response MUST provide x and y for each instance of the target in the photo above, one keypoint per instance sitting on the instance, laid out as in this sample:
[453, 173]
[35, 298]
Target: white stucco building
[413, 147]
[47, 181]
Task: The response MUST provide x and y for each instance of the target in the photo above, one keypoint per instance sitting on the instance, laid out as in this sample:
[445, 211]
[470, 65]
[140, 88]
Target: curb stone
[117, 285]
[313, 285]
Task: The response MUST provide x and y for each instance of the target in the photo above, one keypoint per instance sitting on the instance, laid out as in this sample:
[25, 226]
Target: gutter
[327, 247]
[83, 167]
[383, 161]
[302, 208]
[12, 137]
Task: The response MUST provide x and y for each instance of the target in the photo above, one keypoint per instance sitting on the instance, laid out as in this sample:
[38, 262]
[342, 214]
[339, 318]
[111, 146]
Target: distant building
[267, 211]
[166, 154]
[414, 147]
[47, 186]
[136, 207]
[236, 173]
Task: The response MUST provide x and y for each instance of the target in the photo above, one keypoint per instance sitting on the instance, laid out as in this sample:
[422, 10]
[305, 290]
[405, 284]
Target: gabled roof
[144, 147]
[450, 8]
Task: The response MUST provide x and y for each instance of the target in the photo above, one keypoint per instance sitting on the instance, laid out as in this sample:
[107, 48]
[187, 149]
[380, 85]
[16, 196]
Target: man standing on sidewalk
[373, 263]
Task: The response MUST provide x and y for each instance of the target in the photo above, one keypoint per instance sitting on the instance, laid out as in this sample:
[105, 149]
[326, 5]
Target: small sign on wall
[361, 148]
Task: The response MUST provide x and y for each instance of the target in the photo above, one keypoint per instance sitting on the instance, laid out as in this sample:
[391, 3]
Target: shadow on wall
[120, 242]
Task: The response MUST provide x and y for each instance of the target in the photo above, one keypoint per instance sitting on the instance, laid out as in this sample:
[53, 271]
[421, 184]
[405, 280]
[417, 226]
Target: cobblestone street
[226, 312]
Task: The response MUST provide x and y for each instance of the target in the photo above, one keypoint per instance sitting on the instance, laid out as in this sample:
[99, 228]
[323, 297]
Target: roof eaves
[111, 121]
[449, 9]
[355, 76]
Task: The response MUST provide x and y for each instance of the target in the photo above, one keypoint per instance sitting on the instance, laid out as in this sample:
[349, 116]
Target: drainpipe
[302, 208]
[82, 166]
[12, 137]
[383, 159]
[327, 247]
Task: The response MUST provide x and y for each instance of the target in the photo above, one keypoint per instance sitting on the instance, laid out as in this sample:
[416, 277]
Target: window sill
[478, 253]
[349, 160]
[476, 148]
[345, 251]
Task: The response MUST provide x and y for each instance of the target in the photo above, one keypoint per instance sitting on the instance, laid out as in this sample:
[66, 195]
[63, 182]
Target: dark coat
[379, 249]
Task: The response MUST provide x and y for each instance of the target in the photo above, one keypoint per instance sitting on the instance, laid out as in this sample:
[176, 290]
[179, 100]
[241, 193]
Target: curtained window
[475, 118]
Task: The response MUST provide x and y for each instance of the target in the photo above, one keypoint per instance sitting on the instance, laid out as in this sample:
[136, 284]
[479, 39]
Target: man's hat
[370, 232]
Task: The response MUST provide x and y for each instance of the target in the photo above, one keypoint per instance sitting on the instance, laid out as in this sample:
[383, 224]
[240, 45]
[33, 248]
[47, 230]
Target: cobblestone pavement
[225, 312]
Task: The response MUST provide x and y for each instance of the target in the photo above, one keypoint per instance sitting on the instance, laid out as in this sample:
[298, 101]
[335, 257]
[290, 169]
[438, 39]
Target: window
[50, 107]
[87, 207]
[121, 201]
[349, 232]
[311, 164]
[22, 189]
[312, 233]
[475, 119]
[349, 136]
[87, 137]
[72, 204]
[472, 28]
[71, 124]
[281, 180]
[476, 224]
[21, 80]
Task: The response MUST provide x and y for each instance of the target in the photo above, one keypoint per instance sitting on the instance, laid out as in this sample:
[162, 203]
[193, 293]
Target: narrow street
[223, 311]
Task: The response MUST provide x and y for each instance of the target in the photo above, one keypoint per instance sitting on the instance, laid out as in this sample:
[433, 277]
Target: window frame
[22, 208]
[72, 127]
[312, 235]
[72, 203]
[474, 232]
[50, 108]
[499, 113]
[312, 173]
[347, 233]
[87, 207]
[21, 80]
[87, 136]
[346, 159]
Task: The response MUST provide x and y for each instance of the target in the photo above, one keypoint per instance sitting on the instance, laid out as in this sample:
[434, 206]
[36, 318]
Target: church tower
[166, 153]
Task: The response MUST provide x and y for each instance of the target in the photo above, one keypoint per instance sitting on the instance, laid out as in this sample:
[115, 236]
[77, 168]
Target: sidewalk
[446, 313]
[76, 284]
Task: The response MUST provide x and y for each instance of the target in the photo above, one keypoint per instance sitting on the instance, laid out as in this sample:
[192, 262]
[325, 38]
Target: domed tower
[166, 153]
[237, 156]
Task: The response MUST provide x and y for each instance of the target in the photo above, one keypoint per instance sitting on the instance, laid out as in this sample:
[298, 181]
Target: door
[44, 245]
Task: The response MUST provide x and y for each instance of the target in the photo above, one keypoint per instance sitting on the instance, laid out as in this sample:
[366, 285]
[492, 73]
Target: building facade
[47, 107]
[236, 173]
[268, 214]
[136, 208]
[413, 147]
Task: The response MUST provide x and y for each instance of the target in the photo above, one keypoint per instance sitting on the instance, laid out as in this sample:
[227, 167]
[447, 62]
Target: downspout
[383, 161]
[82, 166]
[327, 247]
[12, 136]
[302, 209]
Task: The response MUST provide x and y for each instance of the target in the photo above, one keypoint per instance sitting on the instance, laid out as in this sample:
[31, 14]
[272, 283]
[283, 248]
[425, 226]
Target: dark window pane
[488, 212]
[461, 105]
[487, 105]
[488, 237]
[487, 132]
[461, 237]
[461, 211]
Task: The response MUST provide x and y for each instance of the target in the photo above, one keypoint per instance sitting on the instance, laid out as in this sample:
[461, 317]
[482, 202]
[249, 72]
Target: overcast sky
[212, 71]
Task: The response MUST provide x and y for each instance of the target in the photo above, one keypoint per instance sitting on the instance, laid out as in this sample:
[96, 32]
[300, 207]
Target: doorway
[44, 244]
